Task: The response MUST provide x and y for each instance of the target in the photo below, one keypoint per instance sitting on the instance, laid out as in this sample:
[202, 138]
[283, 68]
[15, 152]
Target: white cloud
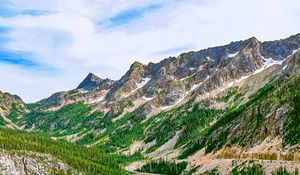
[69, 39]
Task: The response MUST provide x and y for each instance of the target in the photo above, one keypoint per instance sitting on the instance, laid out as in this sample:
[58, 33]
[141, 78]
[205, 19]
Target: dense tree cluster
[164, 167]
[86, 160]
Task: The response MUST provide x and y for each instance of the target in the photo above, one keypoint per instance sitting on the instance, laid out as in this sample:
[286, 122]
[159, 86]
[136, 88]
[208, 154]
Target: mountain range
[229, 109]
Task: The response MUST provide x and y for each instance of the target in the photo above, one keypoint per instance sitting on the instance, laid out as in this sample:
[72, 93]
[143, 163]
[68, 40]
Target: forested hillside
[79, 159]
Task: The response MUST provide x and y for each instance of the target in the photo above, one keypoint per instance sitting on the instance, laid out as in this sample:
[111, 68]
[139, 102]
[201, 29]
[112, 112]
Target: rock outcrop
[30, 163]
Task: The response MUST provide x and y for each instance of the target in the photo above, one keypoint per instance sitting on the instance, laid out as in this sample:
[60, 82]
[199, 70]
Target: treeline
[162, 166]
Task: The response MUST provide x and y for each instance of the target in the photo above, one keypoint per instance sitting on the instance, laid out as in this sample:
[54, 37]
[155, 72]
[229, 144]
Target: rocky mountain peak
[92, 82]
[92, 77]
[252, 43]
[136, 67]
[136, 70]
[136, 64]
[129, 82]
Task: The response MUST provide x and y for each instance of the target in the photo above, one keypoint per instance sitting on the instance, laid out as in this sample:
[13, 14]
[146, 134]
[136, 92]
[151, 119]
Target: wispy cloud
[127, 16]
[23, 60]
[7, 11]
[17, 58]
[4, 37]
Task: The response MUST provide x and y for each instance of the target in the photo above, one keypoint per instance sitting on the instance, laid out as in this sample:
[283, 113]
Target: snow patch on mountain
[267, 63]
[200, 67]
[270, 62]
[139, 85]
[294, 51]
[83, 91]
[208, 58]
[143, 82]
[147, 98]
[233, 54]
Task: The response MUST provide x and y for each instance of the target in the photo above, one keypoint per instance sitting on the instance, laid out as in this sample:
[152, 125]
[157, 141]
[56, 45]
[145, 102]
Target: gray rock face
[280, 49]
[92, 82]
[243, 63]
[129, 82]
[294, 65]
[11, 164]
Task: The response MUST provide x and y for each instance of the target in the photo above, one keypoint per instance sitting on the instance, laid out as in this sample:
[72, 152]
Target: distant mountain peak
[92, 76]
[92, 82]
[136, 64]
[136, 69]
[253, 41]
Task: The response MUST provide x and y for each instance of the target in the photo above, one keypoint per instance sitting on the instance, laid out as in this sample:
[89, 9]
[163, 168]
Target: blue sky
[22, 59]
[124, 17]
[48, 46]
